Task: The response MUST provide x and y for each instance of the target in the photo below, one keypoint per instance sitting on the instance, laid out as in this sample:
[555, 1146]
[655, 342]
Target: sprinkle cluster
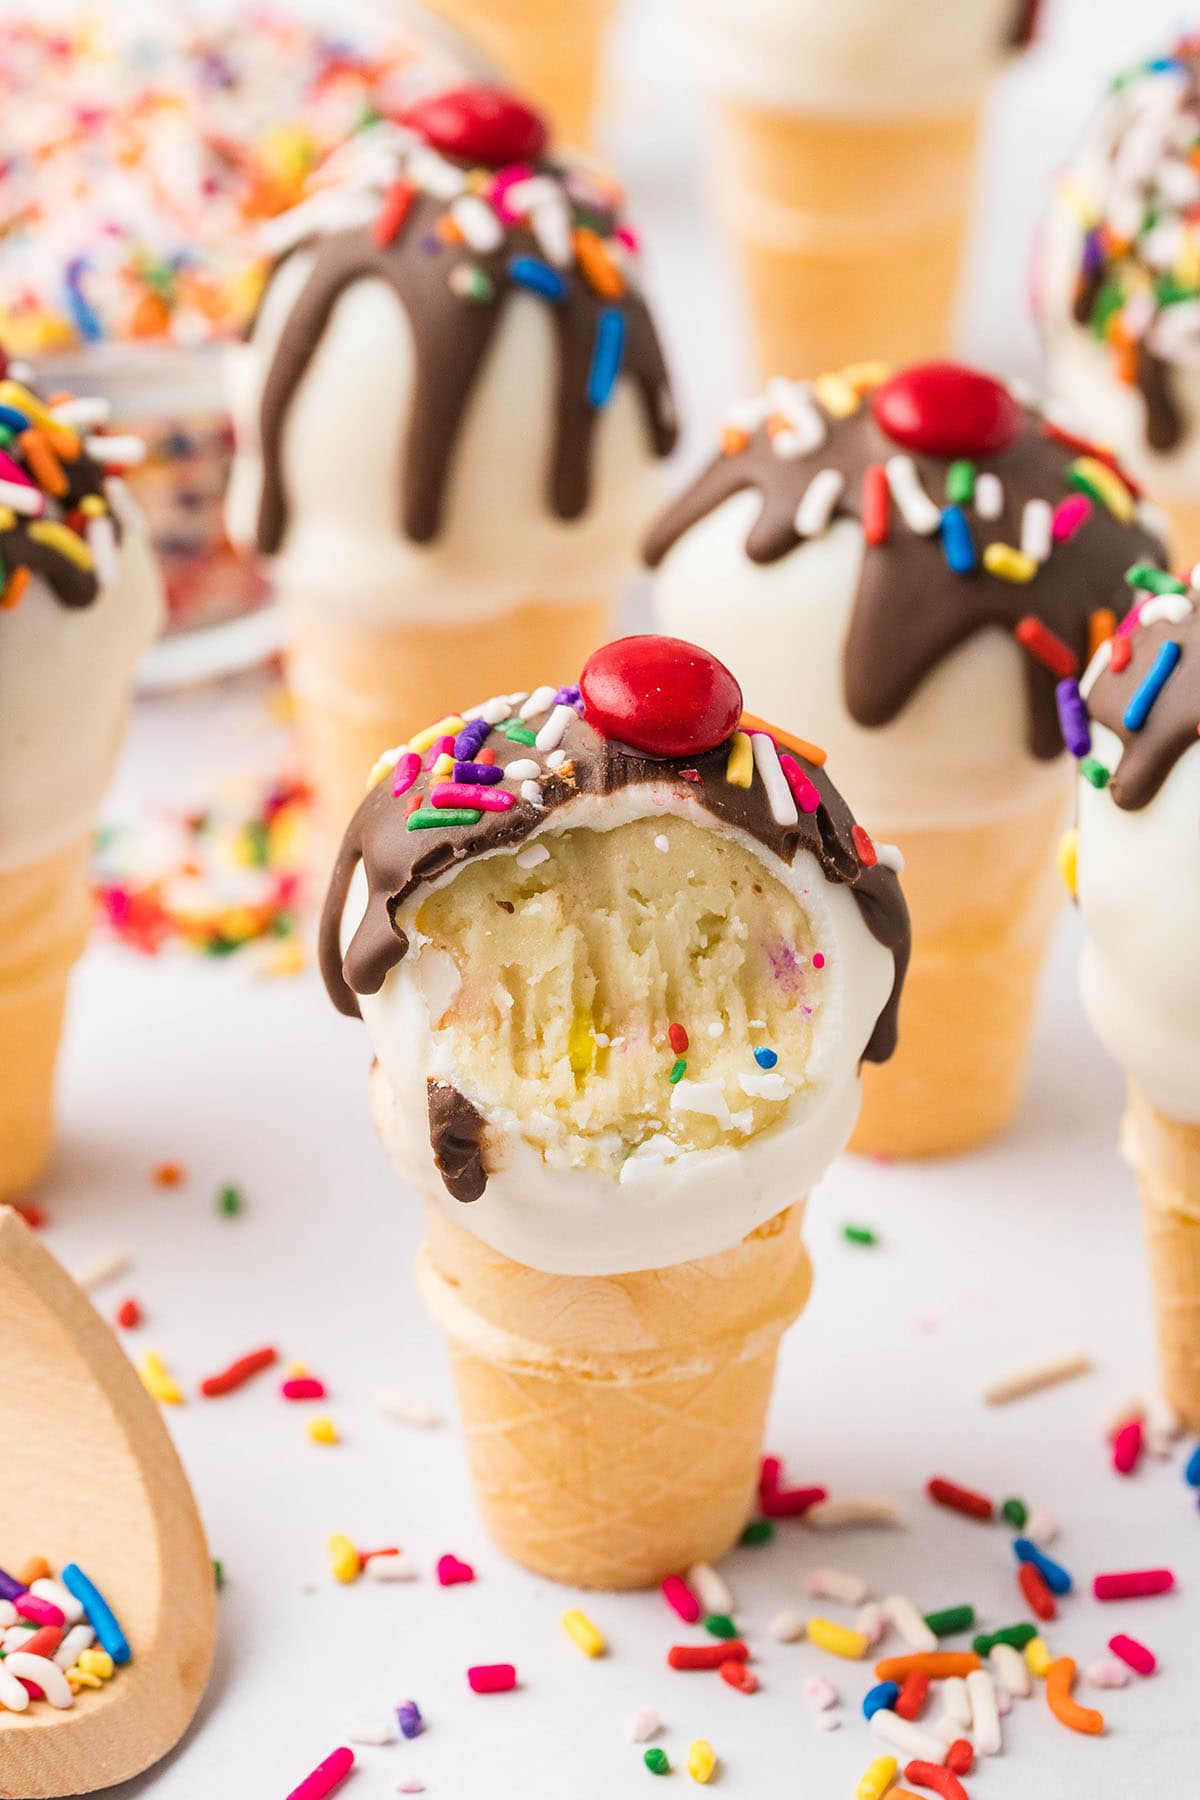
[1158, 598]
[58, 1636]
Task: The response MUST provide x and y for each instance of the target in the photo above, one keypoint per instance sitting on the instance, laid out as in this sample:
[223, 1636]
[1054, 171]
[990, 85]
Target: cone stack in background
[1165, 1156]
[550, 51]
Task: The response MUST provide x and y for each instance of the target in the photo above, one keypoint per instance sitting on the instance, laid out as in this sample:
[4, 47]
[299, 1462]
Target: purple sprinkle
[485, 773]
[1093, 253]
[1073, 719]
[471, 739]
[568, 696]
[408, 1718]
[10, 1588]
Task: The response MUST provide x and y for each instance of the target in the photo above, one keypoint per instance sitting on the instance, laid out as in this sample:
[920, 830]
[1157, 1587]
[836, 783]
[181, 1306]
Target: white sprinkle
[820, 498]
[779, 794]
[551, 734]
[956, 1703]
[747, 415]
[102, 542]
[105, 1266]
[756, 1024]
[318, 214]
[1172, 609]
[552, 228]
[920, 512]
[1162, 1419]
[989, 495]
[870, 1621]
[787, 1627]
[985, 1719]
[1004, 1705]
[82, 415]
[8, 1614]
[643, 1725]
[1095, 668]
[541, 700]
[79, 1638]
[828, 1515]
[116, 452]
[478, 223]
[411, 1784]
[1108, 1672]
[662, 842]
[1032, 1380]
[492, 710]
[406, 1409]
[835, 1584]
[532, 855]
[1009, 1670]
[1152, 519]
[710, 1588]
[1022, 391]
[522, 768]
[48, 1676]
[901, 1735]
[717, 1028]
[536, 190]
[770, 1085]
[806, 425]
[1036, 520]
[1041, 1527]
[29, 501]
[704, 1097]
[1130, 1411]
[889, 856]
[391, 1568]
[532, 791]
[820, 1693]
[46, 1589]
[371, 1731]
[828, 1721]
[556, 759]
[899, 1610]
[432, 172]
[13, 1697]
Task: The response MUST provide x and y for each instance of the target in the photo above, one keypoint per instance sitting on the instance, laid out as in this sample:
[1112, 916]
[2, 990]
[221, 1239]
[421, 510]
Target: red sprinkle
[238, 1373]
[1121, 654]
[739, 1676]
[1048, 648]
[706, 1656]
[1127, 1447]
[1033, 1586]
[492, 1678]
[910, 1701]
[303, 1387]
[34, 1216]
[1086, 448]
[680, 1598]
[1133, 1653]
[777, 1502]
[396, 206]
[128, 1315]
[678, 1039]
[940, 1781]
[960, 1499]
[44, 1642]
[960, 1757]
[1133, 1584]
[876, 504]
[863, 846]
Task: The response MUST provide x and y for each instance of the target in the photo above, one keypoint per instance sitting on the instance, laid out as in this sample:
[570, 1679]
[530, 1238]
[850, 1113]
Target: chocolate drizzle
[1164, 419]
[1173, 725]
[911, 609]
[453, 335]
[456, 1131]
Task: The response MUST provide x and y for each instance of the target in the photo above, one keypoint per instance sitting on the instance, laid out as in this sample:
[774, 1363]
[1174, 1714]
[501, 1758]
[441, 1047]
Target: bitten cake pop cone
[1118, 284]
[449, 415]
[620, 960]
[845, 164]
[904, 567]
[550, 52]
[1136, 864]
[81, 600]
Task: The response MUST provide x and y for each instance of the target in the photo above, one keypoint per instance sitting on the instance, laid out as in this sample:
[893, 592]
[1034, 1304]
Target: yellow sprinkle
[877, 1778]
[1068, 861]
[836, 396]
[297, 1368]
[287, 957]
[383, 765]
[1008, 564]
[96, 1662]
[8, 518]
[322, 1431]
[443, 768]
[701, 1761]
[280, 706]
[157, 1379]
[13, 394]
[863, 376]
[1037, 1657]
[581, 1631]
[447, 727]
[79, 1678]
[92, 506]
[60, 537]
[344, 1560]
[839, 1640]
[739, 770]
[1090, 476]
[581, 1044]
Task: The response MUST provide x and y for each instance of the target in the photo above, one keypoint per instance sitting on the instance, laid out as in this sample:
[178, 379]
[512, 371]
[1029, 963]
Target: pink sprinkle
[465, 793]
[1127, 1447]
[31, 1688]
[1133, 1584]
[1069, 515]
[1133, 1653]
[818, 959]
[408, 767]
[511, 177]
[492, 1678]
[625, 234]
[789, 1503]
[803, 792]
[442, 746]
[679, 1596]
[1107, 1672]
[1132, 619]
[11, 471]
[326, 1776]
[41, 1612]
[302, 1387]
[450, 1571]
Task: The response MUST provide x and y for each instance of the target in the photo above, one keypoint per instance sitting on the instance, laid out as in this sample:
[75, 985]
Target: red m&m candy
[660, 696]
[943, 409]
[480, 125]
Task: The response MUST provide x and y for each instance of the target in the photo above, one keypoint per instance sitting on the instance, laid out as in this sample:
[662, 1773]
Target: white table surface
[1028, 1249]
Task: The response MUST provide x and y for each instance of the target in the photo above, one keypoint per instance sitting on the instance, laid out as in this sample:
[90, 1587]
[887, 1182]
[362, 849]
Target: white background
[1021, 1252]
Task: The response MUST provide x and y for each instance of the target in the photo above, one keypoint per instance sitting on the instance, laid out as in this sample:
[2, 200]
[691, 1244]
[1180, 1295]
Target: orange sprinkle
[14, 591]
[1102, 625]
[168, 1174]
[486, 756]
[733, 440]
[1125, 361]
[448, 229]
[41, 459]
[812, 753]
[599, 270]
[1060, 1677]
[67, 443]
[776, 423]
[937, 1664]
[36, 1569]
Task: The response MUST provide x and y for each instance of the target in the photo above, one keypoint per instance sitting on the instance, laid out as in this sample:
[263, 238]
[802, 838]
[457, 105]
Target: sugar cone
[1165, 1156]
[549, 50]
[850, 233]
[1183, 532]
[44, 912]
[983, 902]
[360, 690]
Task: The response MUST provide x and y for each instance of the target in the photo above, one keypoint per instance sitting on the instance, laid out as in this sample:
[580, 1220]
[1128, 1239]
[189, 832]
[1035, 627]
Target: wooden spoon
[88, 1474]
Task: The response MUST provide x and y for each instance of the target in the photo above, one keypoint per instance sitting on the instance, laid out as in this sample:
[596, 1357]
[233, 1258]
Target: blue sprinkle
[16, 421]
[532, 273]
[1191, 1472]
[957, 542]
[100, 1615]
[1072, 718]
[1152, 685]
[766, 1059]
[606, 357]
[877, 1698]
[484, 774]
[1053, 1574]
[84, 314]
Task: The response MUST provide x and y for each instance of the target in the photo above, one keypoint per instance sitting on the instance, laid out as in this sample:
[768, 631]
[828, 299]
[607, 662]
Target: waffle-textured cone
[358, 691]
[1165, 1156]
[983, 904]
[850, 233]
[550, 51]
[44, 912]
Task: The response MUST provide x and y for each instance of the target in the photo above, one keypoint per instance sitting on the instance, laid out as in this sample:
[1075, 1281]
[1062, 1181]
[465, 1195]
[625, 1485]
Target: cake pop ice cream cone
[1117, 284]
[904, 568]
[845, 163]
[450, 411]
[620, 960]
[80, 602]
[1135, 861]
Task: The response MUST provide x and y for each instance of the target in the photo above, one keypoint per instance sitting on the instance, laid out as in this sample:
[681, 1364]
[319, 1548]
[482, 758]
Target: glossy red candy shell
[661, 696]
[479, 125]
[944, 409]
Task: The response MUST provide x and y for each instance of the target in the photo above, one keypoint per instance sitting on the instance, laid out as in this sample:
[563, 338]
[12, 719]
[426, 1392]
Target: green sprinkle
[516, 733]
[720, 1625]
[960, 483]
[656, 1761]
[427, 817]
[1109, 300]
[7, 435]
[1016, 1635]
[678, 1070]
[1094, 771]
[859, 1234]
[257, 843]
[218, 1574]
[950, 1620]
[758, 1531]
[283, 925]
[1170, 292]
[222, 946]
[1154, 581]
[230, 1203]
[1016, 1512]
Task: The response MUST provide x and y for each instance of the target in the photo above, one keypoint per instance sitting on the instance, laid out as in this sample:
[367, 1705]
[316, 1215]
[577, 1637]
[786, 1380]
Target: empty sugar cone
[850, 233]
[1183, 531]
[550, 53]
[1165, 1157]
[983, 902]
[44, 914]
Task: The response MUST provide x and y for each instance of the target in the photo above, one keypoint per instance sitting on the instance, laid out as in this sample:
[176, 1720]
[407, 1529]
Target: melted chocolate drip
[1024, 27]
[911, 610]
[1173, 724]
[1164, 420]
[456, 1132]
[453, 335]
[71, 585]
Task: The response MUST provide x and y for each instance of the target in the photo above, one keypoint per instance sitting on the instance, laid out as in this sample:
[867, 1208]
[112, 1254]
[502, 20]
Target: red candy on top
[660, 696]
[944, 409]
[480, 125]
